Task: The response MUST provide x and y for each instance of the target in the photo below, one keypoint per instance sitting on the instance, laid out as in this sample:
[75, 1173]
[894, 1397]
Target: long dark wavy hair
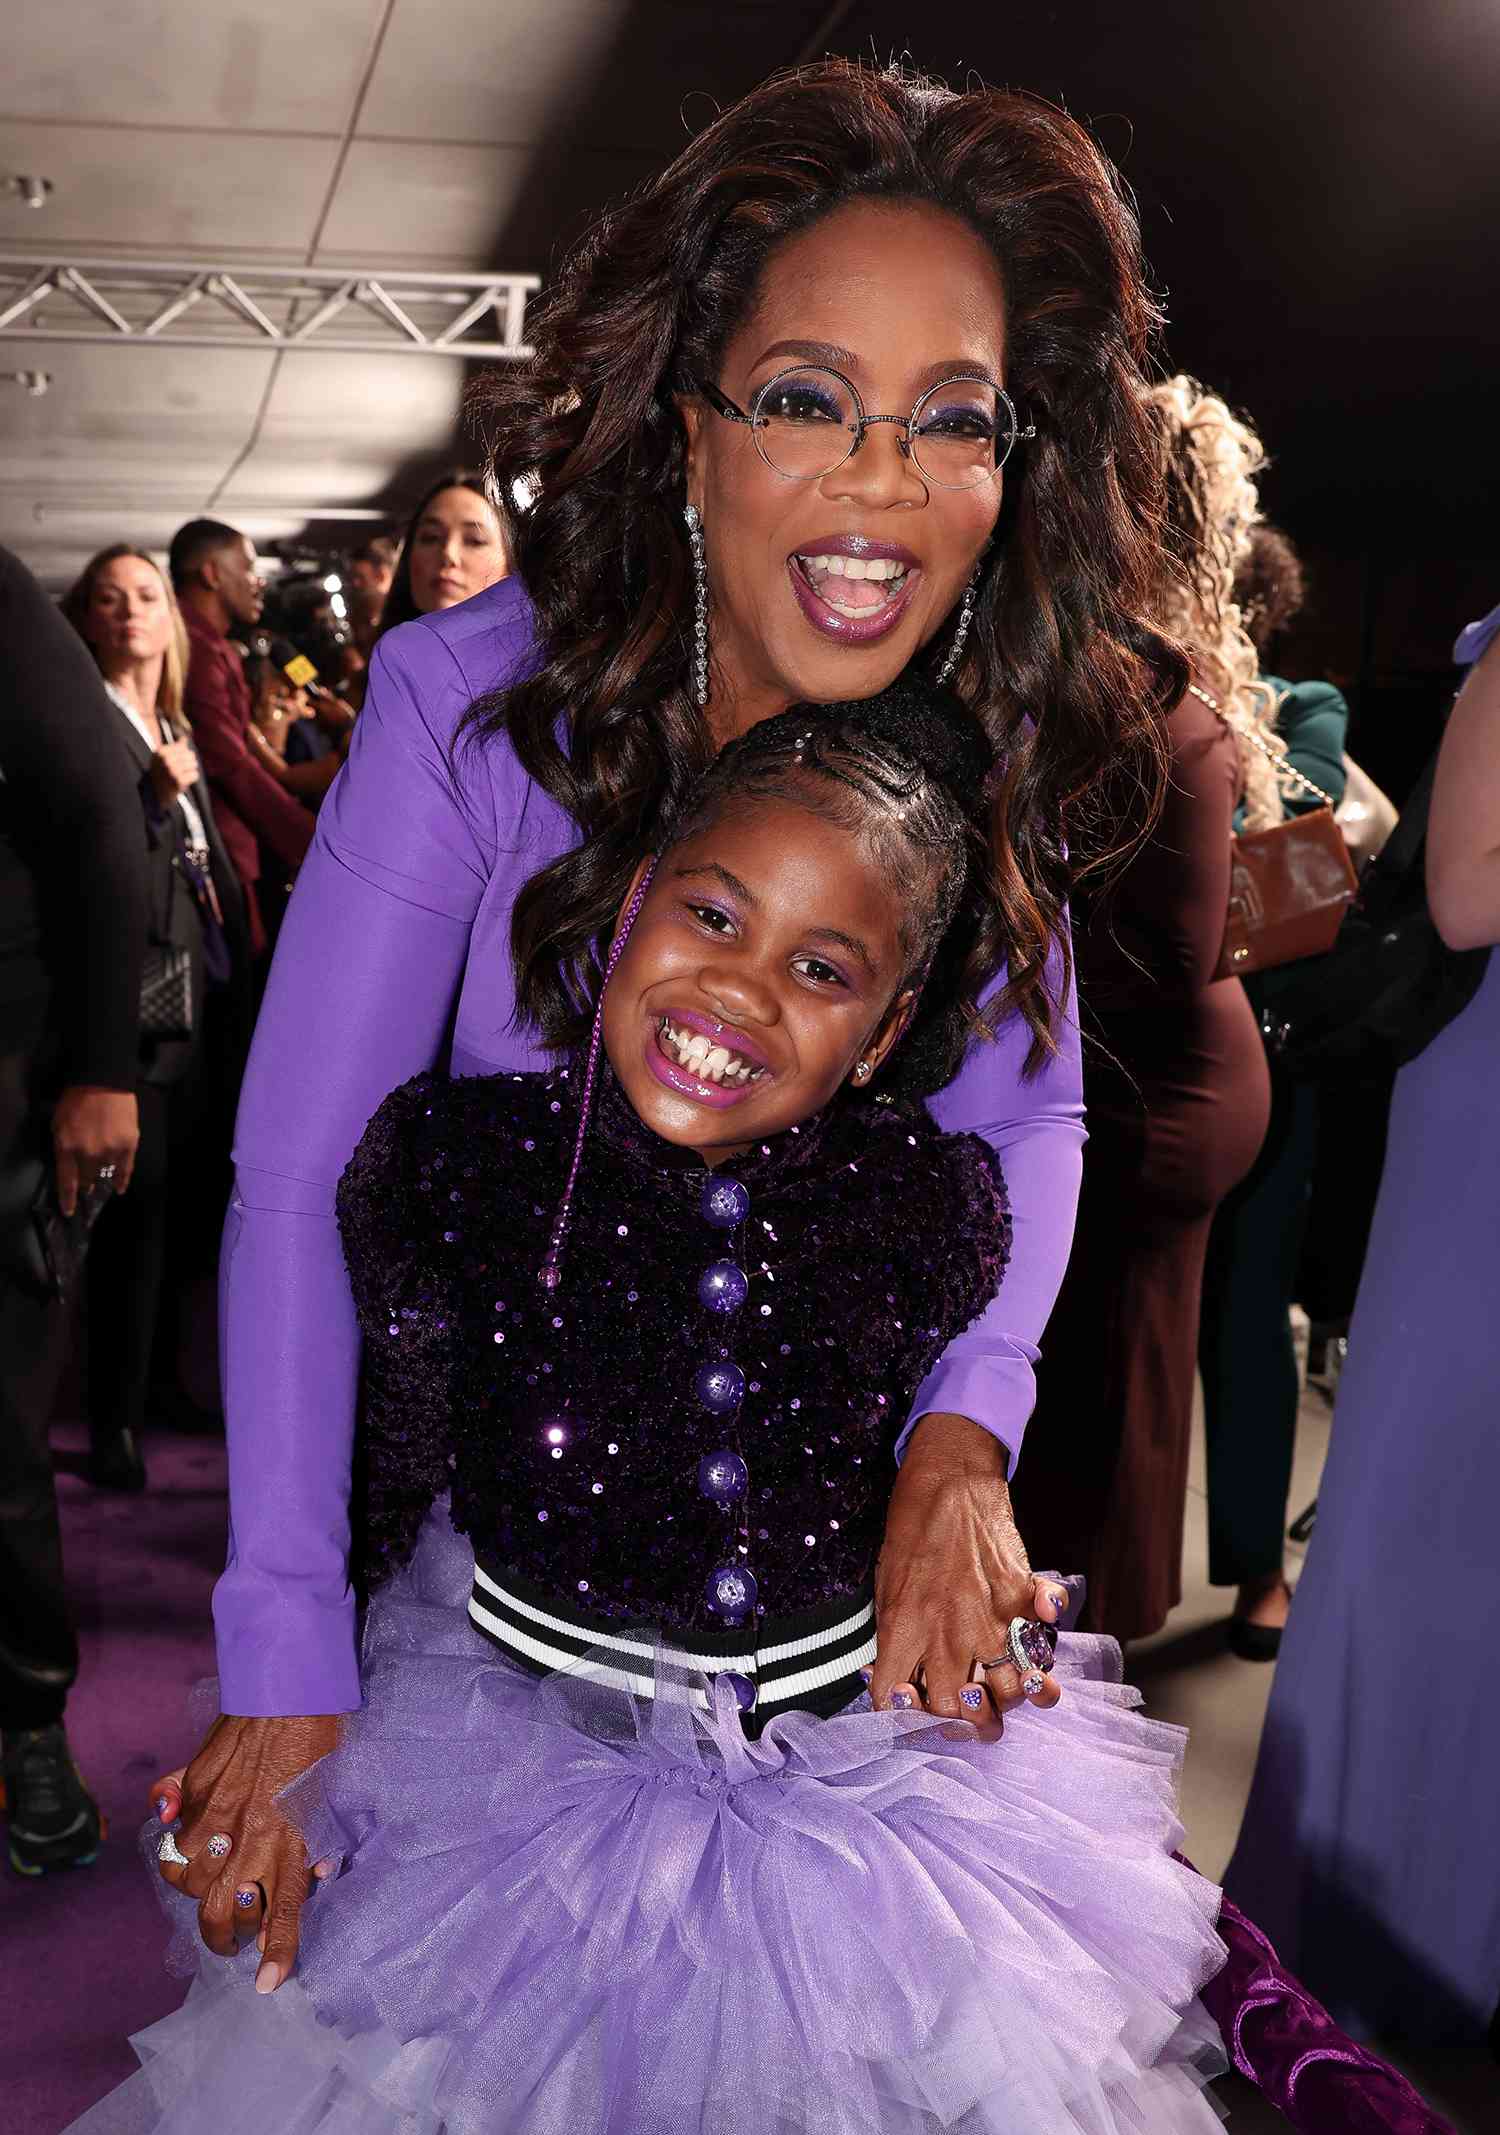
[399, 605]
[1063, 664]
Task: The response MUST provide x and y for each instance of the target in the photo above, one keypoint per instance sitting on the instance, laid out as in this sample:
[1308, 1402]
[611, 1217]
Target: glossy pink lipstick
[685, 1077]
[861, 629]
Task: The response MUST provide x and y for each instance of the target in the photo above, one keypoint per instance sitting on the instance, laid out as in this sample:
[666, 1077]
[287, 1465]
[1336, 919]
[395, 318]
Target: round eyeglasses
[808, 420]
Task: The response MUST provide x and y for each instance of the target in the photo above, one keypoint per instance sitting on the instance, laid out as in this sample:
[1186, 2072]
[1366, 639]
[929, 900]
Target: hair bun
[920, 720]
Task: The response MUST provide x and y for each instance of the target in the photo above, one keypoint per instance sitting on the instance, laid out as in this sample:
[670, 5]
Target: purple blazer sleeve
[361, 996]
[1036, 1129]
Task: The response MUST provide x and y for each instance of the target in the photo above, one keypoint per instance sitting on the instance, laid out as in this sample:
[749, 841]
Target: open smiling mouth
[852, 598]
[695, 1065]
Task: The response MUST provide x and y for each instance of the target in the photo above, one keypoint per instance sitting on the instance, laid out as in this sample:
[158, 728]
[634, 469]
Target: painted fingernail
[164, 1807]
[268, 1978]
[900, 1701]
[244, 1899]
[1032, 1685]
[972, 1696]
[865, 1674]
[218, 1847]
[1060, 1600]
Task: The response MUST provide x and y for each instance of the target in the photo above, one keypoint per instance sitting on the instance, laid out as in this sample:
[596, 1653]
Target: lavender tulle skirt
[568, 1911]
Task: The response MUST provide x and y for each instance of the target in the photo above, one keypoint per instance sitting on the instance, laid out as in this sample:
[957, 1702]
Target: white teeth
[835, 566]
[712, 1063]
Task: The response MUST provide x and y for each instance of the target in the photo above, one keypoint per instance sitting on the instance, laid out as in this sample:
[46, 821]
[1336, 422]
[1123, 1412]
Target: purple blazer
[395, 953]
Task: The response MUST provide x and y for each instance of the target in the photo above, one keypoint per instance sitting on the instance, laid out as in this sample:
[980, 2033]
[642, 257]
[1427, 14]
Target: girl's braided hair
[912, 774]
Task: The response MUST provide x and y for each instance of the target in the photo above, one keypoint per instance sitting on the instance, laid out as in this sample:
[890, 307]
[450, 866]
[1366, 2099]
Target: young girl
[626, 1849]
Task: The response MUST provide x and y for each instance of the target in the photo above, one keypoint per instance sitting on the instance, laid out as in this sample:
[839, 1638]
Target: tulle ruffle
[569, 1911]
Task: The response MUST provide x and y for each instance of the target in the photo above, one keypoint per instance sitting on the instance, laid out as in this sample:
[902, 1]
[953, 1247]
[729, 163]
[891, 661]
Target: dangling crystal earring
[965, 617]
[693, 519]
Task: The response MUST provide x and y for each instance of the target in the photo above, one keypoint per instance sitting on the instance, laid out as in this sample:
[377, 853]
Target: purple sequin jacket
[565, 1422]
[394, 958]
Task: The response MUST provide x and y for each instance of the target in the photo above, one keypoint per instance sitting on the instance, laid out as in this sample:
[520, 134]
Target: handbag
[1289, 886]
[167, 976]
[1390, 982]
[42, 1250]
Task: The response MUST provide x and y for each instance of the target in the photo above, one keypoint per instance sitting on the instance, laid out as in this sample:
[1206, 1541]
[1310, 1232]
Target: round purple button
[720, 1387]
[731, 1593]
[723, 1287]
[725, 1203]
[723, 1476]
[745, 1692]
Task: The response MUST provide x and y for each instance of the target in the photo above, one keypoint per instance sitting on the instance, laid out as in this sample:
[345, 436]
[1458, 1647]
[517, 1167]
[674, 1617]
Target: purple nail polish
[1032, 1685]
[972, 1696]
[244, 1899]
[219, 1845]
[1060, 1600]
[900, 1701]
[163, 1803]
[865, 1674]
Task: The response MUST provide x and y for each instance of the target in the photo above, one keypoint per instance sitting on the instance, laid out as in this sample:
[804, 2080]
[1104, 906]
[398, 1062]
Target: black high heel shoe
[1255, 1641]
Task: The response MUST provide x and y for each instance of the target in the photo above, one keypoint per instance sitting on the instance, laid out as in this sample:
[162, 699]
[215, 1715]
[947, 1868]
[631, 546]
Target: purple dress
[1363, 1847]
[681, 1879]
[398, 935]
[624, 1857]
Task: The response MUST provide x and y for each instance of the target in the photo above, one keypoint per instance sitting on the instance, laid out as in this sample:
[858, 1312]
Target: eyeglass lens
[807, 424]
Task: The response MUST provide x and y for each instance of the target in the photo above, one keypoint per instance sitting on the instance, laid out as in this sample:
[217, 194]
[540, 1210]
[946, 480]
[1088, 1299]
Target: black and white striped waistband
[809, 1662]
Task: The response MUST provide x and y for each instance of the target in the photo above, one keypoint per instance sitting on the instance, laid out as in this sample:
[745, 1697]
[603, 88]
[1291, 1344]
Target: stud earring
[693, 520]
[965, 617]
[863, 1071]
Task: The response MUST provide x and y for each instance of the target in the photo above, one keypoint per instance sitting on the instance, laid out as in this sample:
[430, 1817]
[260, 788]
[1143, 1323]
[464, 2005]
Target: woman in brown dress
[1175, 1082]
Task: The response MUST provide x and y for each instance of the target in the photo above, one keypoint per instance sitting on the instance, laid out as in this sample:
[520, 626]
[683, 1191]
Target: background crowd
[166, 738]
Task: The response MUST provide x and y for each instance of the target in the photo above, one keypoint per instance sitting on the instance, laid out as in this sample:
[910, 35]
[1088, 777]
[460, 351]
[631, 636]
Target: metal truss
[194, 304]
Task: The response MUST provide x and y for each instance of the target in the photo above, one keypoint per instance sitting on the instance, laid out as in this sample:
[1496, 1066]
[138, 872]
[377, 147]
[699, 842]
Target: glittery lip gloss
[678, 1079]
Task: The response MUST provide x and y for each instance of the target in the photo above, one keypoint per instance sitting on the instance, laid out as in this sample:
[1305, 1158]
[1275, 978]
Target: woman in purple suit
[854, 384]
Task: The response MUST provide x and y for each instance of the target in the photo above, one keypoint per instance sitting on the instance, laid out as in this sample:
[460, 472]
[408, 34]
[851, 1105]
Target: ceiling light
[33, 191]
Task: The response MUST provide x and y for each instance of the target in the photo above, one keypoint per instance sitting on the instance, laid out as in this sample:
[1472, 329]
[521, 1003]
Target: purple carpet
[81, 1953]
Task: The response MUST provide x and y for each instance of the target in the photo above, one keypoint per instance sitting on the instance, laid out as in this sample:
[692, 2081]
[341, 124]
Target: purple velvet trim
[1284, 2042]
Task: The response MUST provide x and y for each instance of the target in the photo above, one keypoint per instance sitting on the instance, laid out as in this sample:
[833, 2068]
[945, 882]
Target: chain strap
[1283, 765]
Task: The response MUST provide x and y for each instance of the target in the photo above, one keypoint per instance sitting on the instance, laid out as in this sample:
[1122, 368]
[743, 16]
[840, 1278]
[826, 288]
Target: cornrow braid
[911, 772]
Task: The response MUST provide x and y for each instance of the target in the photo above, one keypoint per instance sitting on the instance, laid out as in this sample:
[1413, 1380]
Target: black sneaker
[54, 1821]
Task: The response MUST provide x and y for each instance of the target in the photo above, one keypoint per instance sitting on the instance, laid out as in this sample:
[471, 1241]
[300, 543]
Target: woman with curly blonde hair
[1175, 1076]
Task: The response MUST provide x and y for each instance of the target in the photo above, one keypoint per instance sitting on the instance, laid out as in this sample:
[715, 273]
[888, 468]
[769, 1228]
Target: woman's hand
[95, 1134]
[246, 1865]
[174, 771]
[951, 1576]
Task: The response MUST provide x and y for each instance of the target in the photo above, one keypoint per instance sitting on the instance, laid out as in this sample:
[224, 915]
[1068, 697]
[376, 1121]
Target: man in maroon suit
[213, 570]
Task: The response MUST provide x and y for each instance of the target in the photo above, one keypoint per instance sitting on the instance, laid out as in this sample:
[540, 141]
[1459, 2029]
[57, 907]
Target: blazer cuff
[991, 1382]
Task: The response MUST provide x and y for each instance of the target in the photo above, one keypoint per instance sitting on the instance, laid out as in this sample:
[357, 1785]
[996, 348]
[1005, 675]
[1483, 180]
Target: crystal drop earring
[965, 617]
[693, 520]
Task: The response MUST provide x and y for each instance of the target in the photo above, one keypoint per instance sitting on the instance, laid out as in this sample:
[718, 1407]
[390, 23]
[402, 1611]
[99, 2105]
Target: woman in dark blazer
[124, 609]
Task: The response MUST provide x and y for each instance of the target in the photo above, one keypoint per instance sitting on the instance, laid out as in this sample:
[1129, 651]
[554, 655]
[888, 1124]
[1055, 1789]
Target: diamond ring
[1029, 1647]
[169, 1852]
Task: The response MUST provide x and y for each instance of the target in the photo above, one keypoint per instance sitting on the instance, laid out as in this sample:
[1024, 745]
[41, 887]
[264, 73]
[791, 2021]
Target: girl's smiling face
[767, 960]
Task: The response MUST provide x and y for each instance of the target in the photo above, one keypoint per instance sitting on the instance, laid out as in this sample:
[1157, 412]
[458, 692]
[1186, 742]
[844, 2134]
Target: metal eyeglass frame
[721, 404]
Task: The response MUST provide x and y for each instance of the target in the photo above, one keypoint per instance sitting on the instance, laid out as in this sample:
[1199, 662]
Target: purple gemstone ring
[1029, 1647]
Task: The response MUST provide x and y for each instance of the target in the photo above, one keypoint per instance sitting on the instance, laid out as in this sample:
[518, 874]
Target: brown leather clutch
[1289, 886]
